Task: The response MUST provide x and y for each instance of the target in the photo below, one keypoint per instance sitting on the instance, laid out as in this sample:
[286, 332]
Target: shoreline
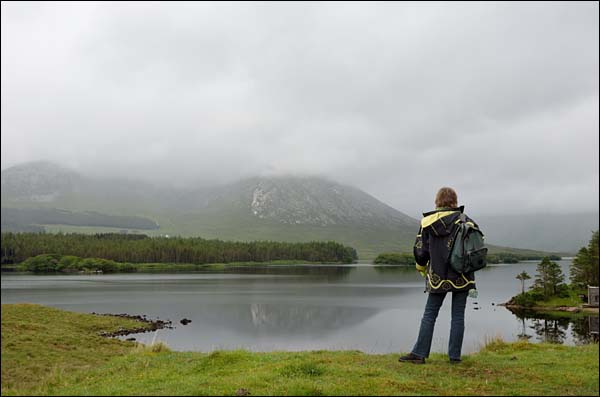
[566, 309]
[179, 267]
[149, 325]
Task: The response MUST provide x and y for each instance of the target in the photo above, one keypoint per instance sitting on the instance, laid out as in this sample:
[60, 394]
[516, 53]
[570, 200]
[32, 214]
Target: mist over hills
[285, 199]
[284, 208]
[542, 231]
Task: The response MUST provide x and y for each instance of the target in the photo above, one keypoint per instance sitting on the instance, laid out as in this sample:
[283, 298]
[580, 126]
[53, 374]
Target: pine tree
[523, 276]
[594, 262]
[555, 277]
[584, 269]
[579, 268]
[549, 276]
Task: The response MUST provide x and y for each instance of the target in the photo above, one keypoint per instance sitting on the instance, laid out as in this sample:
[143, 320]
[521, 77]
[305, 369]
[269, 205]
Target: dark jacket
[432, 251]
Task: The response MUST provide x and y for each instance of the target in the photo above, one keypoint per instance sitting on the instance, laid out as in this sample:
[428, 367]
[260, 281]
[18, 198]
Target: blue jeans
[457, 325]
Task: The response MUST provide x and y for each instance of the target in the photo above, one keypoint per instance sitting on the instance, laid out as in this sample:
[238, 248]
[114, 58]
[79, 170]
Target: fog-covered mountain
[38, 182]
[285, 199]
[289, 208]
[46, 184]
[299, 200]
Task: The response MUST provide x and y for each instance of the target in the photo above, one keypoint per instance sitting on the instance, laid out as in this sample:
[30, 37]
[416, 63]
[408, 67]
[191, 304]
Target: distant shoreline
[183, 267]
[178, 267]
[566, 309]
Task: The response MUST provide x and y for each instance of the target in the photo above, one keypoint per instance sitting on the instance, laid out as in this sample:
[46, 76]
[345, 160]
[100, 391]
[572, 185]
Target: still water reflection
[554, 328]
[299, 307]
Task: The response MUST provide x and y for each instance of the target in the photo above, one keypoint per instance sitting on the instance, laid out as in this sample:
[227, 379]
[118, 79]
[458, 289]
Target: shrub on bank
[54, 263]
[529, 298]
[535, 297]
[393, 258]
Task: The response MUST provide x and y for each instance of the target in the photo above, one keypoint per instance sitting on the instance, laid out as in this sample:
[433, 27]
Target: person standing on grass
[432, 251]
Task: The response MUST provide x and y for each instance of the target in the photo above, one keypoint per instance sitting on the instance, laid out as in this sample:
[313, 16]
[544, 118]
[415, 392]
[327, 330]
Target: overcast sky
[499, 101]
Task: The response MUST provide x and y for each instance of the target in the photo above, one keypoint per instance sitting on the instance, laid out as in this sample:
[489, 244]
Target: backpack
[468, 253]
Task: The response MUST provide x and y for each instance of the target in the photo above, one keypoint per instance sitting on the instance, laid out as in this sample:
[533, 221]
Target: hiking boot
[455, 361]
[412, 358]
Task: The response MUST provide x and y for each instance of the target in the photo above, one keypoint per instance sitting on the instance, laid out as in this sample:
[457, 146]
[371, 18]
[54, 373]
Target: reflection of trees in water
[551, 331]
[523, 334]
[594, 326]
[585, 329]
[552, 328]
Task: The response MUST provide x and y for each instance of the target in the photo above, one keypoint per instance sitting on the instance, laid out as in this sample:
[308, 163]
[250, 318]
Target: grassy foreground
[49, 351]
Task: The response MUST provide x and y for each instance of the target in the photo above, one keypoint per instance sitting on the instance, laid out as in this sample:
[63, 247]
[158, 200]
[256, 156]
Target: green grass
[48, 351]
[536, 370]
[572, 301]
[40, 345]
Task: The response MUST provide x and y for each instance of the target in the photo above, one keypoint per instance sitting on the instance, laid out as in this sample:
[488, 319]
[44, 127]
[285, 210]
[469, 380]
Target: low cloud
[499, 101]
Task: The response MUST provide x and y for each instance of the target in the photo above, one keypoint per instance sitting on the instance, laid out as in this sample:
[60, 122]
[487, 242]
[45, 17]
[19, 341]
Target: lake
[296, 307]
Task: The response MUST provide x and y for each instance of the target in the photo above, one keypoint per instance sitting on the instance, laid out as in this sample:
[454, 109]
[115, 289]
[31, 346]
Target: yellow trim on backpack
[429, 219]
[468, 223]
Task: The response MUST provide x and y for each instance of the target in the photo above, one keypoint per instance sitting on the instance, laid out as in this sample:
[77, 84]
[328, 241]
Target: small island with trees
[550, 292]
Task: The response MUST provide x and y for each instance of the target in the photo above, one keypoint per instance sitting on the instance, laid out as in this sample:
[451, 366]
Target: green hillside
[367, 241]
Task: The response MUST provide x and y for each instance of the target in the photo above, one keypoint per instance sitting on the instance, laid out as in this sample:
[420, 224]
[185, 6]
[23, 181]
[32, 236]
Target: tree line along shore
[117, 252]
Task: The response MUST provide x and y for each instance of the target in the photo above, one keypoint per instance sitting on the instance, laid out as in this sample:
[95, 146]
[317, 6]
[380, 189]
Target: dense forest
[17, 247]
[26, 217]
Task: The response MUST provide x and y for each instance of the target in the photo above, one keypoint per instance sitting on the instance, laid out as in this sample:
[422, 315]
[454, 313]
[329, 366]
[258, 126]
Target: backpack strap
[460, 224]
